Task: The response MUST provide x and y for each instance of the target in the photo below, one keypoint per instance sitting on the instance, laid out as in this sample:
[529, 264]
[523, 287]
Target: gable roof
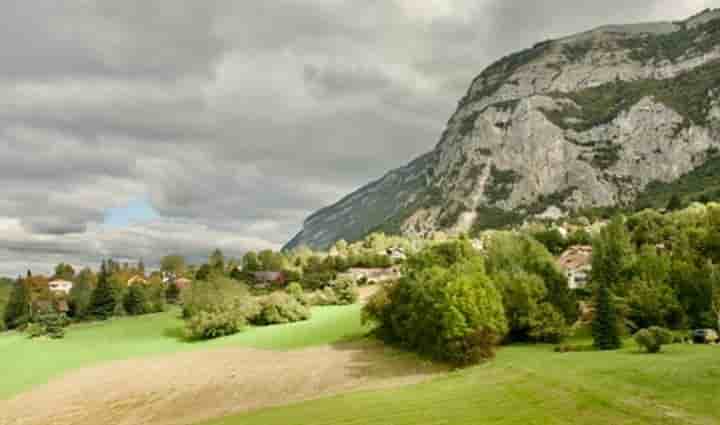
[576, 257]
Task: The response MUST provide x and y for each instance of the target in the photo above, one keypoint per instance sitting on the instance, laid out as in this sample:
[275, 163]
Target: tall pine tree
[102, 300]
[606, 325]
[18, 310]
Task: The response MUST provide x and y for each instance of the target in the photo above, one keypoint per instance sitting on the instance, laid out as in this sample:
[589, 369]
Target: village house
[267, 277]
[182, 283]
[59, 285]
[372, 275]
[136, 279]
[576, 263]
[396, 254]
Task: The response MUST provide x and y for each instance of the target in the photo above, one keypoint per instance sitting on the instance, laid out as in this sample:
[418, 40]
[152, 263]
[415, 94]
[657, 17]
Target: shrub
[278, 308]
[48, 323]
[451, 313]
[342, 291]
[296, 291]
[218, 320]
[653, 338]
[547, 324]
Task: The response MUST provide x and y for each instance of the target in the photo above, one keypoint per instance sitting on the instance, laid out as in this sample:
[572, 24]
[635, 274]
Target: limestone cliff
[588, 120]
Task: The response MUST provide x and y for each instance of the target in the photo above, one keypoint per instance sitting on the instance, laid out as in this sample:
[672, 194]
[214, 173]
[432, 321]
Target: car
[705, 336]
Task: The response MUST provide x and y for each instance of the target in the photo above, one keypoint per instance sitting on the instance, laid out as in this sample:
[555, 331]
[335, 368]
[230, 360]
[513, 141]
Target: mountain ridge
[587, 120]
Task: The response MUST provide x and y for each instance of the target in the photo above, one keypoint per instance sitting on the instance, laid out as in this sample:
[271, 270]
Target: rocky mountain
[598, 119]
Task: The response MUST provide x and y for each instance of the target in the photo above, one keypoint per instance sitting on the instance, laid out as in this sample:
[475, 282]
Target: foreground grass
[27, 363]
[533, 385]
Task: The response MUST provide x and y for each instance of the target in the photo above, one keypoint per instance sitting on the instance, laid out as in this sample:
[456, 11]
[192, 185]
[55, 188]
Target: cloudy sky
[138, 128]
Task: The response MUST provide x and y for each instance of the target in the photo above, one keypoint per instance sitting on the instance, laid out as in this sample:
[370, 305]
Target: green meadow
[533, 385]
[33, 362]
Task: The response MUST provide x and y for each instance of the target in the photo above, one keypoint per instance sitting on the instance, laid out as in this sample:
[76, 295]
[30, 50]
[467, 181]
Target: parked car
[705, 336]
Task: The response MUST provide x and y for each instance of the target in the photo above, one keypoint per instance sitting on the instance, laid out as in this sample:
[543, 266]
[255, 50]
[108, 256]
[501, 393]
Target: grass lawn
[33, 362]
[533, 385]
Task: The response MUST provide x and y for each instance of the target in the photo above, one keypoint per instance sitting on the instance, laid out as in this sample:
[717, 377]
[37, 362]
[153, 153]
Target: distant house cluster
[576, 263]
[60, 286]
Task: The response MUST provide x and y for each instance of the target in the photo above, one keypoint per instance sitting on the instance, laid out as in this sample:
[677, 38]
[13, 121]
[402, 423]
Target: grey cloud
[233, 117]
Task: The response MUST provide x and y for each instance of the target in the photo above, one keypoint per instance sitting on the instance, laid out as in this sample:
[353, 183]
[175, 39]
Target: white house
[60, 286]
[576, 263]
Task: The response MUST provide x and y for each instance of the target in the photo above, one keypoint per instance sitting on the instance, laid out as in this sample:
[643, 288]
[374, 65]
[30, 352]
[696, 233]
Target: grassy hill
[94, 343]
[534, 385]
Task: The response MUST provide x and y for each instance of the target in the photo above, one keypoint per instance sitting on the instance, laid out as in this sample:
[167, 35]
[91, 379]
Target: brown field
[190, 387]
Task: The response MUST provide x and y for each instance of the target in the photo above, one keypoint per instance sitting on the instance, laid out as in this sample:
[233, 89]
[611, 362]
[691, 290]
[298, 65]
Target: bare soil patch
[189, 387]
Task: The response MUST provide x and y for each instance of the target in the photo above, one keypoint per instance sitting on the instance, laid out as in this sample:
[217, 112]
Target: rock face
[589, 120]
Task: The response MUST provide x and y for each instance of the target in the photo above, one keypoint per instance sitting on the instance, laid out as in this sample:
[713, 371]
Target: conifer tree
[605, 326]
[135, 300]
[18, 310]
[172, 294]
[102, 301]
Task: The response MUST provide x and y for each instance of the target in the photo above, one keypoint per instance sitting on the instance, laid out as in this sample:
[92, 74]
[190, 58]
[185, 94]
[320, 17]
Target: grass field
[34, 362]
[533, 385]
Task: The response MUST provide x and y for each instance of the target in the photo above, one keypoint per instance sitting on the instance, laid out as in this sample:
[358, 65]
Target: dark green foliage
[501, 185]
[172, 293]
[494, 218]
[612, 256]
[576, 52]
[653, 338]
[547, 324]
[467, 124]
[686, 94]
[135, 301]
[102, 301]
[18, 309]
[606, 323]
[219, 319]
[673, 45]
[204, 272]
[278, 308]
[81, 294]
[605, 156]
[552, 239]
[675, 203]
[50, 323]
[703, 181]
[441, 308]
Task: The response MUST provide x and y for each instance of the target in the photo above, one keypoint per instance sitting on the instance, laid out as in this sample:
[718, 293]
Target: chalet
[59, 285]
[137, 279]
[576, 263]
[182, 283]
[372, 275]
[265, 277]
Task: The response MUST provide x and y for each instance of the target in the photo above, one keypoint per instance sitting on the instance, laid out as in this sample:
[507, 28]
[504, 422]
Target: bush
[445, 307]
[296, 291]
[653, 338]
[219, 319]
[48, 323]
[342, 291]
[547, 324]
[278, 308]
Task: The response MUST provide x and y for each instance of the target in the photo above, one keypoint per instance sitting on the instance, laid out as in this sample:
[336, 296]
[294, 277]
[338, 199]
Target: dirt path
[190, 387]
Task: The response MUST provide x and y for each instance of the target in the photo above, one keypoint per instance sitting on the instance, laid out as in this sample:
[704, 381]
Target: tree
[450, 311]
[64, 271]
[172, 294]
[174, 264]
[654, 304]
[552, 239]
[250, 262]
[18, 310]
[605, 325]
[135, 300]
[716, 296]
[217, 261]
[271, 261]
[653, 338]
[203, 272]
[81, 293]
[612, 256]
[102, 300]
[141, 267]
[675, 203]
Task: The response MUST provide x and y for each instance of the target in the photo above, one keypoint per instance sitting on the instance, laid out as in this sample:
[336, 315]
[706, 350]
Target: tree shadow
[371, 359]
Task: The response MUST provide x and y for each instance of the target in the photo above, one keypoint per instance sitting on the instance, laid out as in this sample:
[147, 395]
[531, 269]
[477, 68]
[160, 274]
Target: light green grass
[532, 385]
[27, 363]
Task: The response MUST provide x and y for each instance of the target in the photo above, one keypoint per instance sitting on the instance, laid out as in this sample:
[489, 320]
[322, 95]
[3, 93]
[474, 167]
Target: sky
[134, 129]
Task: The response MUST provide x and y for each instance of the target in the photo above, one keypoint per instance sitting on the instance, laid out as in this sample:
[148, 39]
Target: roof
[576, 257]
[269, 276]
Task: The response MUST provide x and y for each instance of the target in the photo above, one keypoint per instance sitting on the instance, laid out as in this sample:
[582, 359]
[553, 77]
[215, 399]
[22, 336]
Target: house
[277, 278]
[182, 283]
[576, 263]
[59, 285]
[396, 254]
[372, 275]
[136, 279]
